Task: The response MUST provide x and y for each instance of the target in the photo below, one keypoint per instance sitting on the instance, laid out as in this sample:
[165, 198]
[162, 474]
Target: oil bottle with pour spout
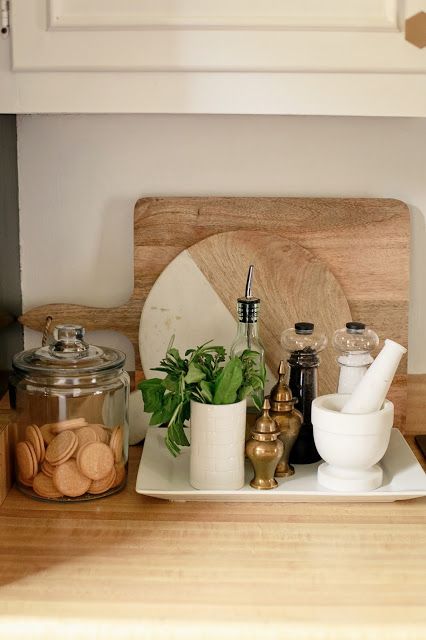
[248, 339]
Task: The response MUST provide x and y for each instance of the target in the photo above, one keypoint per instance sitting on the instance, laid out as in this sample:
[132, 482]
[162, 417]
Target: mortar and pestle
[352, 432]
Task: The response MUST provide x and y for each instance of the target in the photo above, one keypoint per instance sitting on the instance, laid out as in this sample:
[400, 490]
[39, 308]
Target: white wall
[79, 177]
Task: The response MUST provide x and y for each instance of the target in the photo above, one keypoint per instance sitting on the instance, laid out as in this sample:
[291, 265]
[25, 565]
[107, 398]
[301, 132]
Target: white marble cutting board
[195, 298]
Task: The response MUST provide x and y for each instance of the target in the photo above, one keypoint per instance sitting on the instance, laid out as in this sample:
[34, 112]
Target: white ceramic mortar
[350, 444]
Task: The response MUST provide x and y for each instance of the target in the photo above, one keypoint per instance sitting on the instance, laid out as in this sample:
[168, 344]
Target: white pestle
[372, 389]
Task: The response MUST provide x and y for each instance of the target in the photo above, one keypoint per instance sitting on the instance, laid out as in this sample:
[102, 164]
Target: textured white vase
[350, 444]
[217, 445]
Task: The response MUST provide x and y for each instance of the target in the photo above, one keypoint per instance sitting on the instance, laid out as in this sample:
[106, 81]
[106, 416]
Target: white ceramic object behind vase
[138, 419]
[350, 444]
[217, 445]
[176, 305]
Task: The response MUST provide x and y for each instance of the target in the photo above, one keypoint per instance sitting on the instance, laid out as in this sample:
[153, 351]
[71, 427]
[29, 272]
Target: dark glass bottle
[303, 345]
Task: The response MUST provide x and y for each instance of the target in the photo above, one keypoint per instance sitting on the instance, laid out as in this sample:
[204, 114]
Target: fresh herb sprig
[200, 375]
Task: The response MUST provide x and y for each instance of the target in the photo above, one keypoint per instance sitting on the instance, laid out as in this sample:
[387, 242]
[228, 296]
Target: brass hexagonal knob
[415, 29]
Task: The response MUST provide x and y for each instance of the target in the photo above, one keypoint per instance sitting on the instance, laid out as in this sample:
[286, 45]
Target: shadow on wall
[114, 262]
[10, 278]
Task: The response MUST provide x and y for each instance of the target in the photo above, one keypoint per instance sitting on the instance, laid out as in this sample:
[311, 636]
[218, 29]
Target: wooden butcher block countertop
[135, 567]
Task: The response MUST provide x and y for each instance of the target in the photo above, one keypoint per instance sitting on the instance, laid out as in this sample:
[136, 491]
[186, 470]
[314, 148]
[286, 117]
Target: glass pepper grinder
[304, 344]
[354, 342]
[247, 338]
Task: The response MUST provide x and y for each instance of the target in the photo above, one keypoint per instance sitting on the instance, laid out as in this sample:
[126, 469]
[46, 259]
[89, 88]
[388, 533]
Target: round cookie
[86, 435]
[44, 487]
[116, 443]
[34, 457]
[102, 432]
[95, 460]
[47, 468]
[34, 435]
[64, 425]
[61, 448]
[68, 479]
[26, 460]
[27, 482]
[100, 486]
[47, 433]
[120, 474]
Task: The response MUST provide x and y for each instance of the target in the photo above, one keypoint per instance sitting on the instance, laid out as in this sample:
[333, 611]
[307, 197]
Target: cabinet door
[291, 36]
[333, 57]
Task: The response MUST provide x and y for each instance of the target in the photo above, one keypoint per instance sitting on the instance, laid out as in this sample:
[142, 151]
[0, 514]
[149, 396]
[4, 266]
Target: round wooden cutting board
[195, 297]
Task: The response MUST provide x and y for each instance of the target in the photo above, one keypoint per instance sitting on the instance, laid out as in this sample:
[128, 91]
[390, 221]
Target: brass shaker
[264, 450]
[288, 420]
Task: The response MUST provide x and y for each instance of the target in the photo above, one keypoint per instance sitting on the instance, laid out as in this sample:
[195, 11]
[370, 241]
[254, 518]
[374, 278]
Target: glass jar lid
[355, 337]
[303, 338]
[69, 354]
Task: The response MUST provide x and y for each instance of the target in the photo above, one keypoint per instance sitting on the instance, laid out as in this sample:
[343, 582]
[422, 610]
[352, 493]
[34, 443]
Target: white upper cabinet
[218, 56]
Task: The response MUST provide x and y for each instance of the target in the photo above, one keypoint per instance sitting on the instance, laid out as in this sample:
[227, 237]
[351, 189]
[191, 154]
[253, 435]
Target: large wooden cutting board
[363, 241]
[194, 298]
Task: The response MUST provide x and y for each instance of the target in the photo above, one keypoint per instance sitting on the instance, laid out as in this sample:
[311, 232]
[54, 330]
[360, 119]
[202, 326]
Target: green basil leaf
[152, 394]
[165, 412]
[186, 411]
[228, 382]
[207, 389]
[173, 354]
[245, 391]
[157, 418]
[248, 354]
[256, 382]
[165, 369]
[194, 374]
[258, 400]
[172, 447]
[178, 435]
[171, 401]
[170, 384]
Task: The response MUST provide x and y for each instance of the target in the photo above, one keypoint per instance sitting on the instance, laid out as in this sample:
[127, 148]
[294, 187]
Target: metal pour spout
[249, 281]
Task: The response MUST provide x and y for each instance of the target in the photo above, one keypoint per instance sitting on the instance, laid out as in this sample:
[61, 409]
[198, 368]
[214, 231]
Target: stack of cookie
[71, 458]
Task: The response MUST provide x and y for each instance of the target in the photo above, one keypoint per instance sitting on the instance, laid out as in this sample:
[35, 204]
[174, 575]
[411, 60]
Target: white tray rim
[248, 494]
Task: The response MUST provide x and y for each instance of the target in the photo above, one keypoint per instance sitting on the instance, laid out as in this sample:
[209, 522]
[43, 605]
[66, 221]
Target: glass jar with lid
[72, 425]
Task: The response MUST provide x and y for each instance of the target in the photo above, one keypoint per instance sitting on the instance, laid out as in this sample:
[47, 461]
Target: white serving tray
[162, 476]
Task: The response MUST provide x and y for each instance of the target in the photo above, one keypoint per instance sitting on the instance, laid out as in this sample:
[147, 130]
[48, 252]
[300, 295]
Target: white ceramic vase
[217, 445]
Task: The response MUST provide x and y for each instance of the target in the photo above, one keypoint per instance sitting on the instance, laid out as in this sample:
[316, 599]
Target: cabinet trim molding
[358, 15]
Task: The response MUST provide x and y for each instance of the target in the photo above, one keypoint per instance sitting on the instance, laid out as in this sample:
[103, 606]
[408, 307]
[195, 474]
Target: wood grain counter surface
[135, 567]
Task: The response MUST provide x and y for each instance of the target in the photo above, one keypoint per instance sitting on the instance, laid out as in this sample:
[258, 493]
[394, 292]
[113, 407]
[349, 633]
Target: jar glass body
[91, 408]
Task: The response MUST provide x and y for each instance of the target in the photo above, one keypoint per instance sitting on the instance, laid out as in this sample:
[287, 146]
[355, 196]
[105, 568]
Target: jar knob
[69, 340]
